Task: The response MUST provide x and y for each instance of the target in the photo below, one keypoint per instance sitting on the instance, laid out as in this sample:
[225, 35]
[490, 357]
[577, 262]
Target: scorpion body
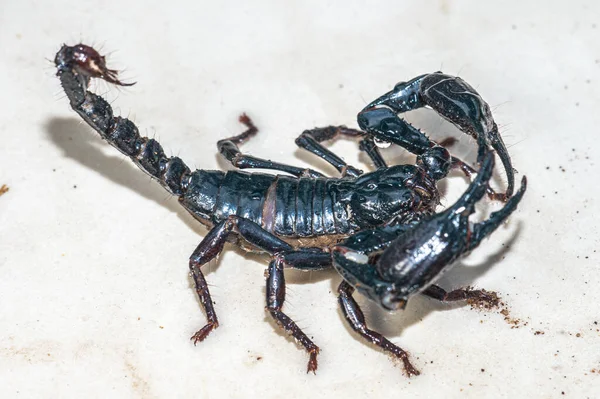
[299, 219]
[296, 207]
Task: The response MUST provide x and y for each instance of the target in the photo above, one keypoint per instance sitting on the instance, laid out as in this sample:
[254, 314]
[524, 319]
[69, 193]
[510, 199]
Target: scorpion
[379, 230]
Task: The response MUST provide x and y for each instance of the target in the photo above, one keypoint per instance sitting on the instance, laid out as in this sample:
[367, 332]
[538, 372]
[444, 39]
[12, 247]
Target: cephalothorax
[299, 217]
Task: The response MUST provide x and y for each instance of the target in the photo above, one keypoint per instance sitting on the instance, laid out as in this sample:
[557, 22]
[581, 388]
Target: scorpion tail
[76, 65]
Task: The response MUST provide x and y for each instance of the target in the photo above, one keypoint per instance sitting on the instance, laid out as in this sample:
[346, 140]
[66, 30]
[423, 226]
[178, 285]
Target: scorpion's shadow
[78, 143]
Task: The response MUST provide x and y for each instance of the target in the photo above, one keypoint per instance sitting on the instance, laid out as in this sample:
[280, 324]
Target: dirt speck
[512, 321]
[538, 332]
[3, 189]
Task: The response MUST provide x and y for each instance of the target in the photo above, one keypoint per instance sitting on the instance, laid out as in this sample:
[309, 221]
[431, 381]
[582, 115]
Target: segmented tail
[76, 65]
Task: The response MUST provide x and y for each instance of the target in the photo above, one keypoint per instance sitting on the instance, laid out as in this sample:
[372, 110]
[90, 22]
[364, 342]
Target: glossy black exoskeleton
[452, 98]
[296, 219]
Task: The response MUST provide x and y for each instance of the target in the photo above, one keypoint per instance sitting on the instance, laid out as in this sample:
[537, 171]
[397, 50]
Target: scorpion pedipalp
[389, 265]
[453, 99]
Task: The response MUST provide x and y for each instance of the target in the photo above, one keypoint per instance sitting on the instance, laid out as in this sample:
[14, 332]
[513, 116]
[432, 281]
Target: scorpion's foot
[251, 129]
[203, 332]
[312, 361]
[494, 196]
[476, 298]
[409, 369]
[482, 298]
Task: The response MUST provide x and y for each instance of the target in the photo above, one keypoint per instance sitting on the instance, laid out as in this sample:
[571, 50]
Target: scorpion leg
[284, 254]
[368, 145]
[230, 150]
[275, 300]
[211, 246]
[356, 318]
[311, 140]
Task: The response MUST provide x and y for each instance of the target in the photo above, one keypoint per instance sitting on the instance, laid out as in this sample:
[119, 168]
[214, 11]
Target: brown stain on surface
[3, 189]
[38, 352]
[445, 7]
[45, 351]
[140, 386]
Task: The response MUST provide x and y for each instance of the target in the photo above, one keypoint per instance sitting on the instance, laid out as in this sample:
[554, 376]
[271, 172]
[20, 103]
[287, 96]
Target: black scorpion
[378, 229]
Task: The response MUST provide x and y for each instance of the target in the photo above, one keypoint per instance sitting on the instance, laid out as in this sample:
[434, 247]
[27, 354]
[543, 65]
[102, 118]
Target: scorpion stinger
[452, 98]
[390, 264]
[87, 63]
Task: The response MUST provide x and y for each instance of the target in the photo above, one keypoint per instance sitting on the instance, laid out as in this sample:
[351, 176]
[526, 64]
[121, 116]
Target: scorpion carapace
[294, 217]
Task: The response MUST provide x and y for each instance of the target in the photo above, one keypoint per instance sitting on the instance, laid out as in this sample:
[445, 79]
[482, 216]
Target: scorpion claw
[453, 99]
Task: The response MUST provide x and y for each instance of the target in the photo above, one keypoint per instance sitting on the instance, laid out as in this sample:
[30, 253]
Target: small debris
[515, 323]
[3, 189]
[539, 333]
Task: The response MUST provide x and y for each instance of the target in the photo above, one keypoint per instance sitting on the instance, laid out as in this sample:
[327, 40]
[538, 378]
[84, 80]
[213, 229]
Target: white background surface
[95, 300]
